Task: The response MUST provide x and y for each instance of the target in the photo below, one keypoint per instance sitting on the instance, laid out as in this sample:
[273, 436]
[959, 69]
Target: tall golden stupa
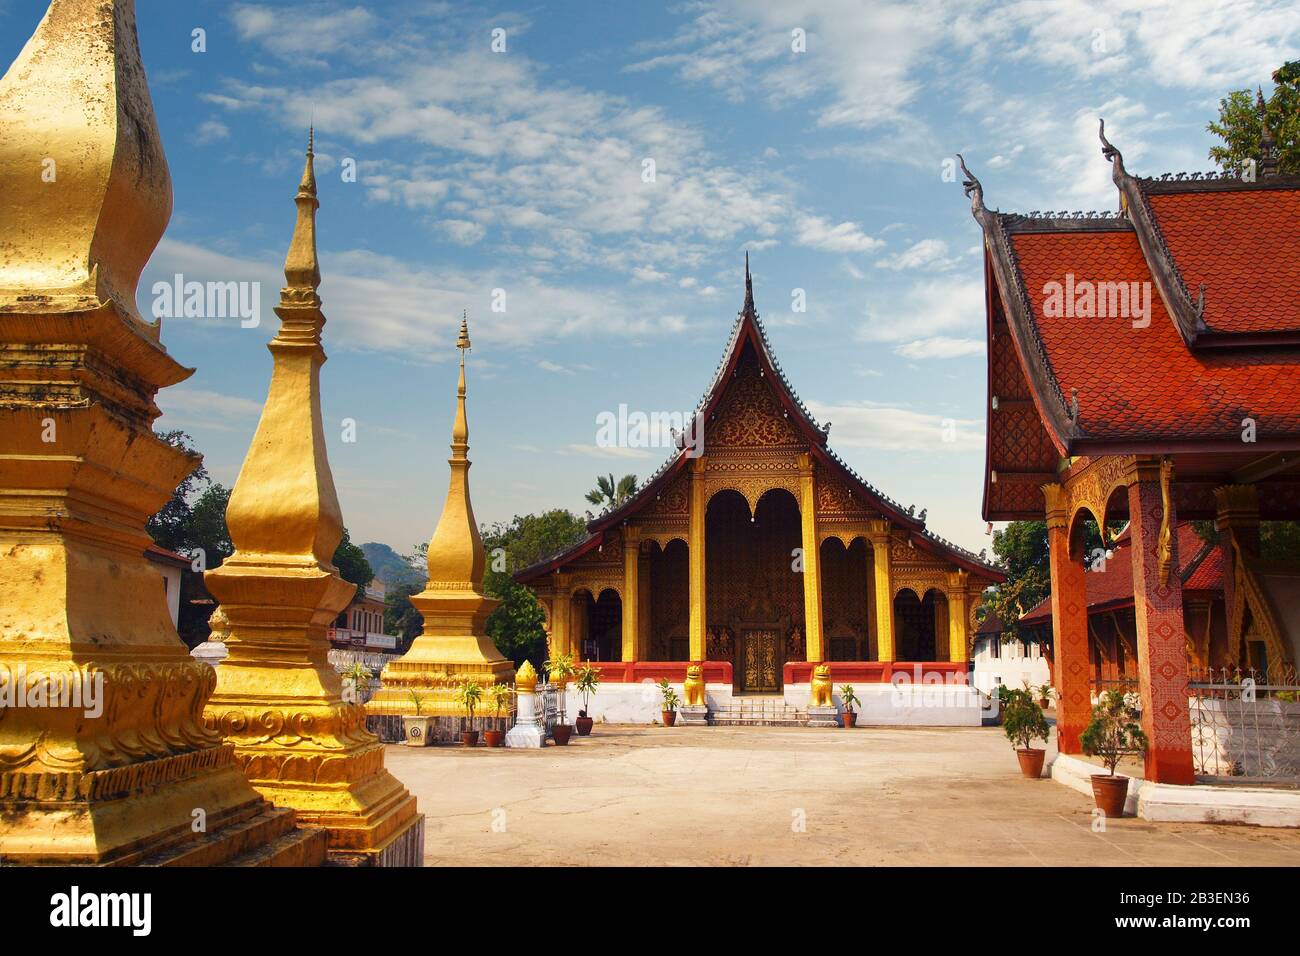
[453, 647]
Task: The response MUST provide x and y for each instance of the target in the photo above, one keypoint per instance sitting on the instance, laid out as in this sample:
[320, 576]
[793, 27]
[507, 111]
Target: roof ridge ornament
[972, 188]
[1108, 150]
[1268, 165]
[748, 308]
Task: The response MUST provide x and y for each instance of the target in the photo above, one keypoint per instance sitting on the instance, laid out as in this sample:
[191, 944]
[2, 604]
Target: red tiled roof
[1112, 584]
[163, 556]
[1243, 245]
[1144, 383]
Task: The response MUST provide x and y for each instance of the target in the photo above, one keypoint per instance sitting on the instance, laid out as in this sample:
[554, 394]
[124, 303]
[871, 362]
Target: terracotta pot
[1110, 792]
[469, 738]
[584, 725]
[1031, 762]
[850, 719]
[494, 738]
[669, 716]
[561, 733]
[1044, 703]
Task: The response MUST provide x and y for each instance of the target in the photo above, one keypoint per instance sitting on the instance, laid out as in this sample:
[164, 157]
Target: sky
[503, 157]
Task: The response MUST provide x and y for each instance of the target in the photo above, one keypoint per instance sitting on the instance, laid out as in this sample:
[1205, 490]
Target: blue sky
[522, 170]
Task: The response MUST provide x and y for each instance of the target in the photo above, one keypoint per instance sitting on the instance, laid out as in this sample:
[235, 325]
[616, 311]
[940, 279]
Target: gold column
[116, 767]
[278, 699]
[812, 573]
[643, 607]
[699, 611]
[631, 591]
[878, 531]
[562, 611]
[958, 618]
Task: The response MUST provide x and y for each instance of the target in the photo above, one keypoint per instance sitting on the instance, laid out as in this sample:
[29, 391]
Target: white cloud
[198, 407]
[940, 347]
[926, 309]
[893, 428]
[926, 252]
[210, 131]
[612, 451]
[818, 233]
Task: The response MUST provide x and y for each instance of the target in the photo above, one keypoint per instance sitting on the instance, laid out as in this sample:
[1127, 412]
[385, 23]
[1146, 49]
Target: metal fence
[548, 703]
[1246, 725]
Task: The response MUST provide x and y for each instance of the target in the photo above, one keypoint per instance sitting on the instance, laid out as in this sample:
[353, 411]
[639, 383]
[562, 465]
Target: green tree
[400, 616]
[1278, 540]
[170, 525]
[1240, 126]
[609, 494]
[517, 625]
[352, 564]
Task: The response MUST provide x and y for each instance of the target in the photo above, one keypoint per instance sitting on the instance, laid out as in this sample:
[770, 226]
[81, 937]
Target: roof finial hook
[971, 186]
[1107, 150]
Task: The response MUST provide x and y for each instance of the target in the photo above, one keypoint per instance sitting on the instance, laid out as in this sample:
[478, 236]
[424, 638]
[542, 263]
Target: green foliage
[1278, 540]
[609, 494]
[500, 695]
[1113, 731]
[560, 668]
[1240, 127]
[169, 528]
[468, 695]
[1022, 719]
[400, 616]
[848, 697]
[585, 683]
[671, 700]
[517, 625]
[416, 701]
[395, 569]
[352, 564]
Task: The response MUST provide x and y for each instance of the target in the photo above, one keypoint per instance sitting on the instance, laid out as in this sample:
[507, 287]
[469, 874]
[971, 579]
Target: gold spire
[301, 266]
[456, 557]
[526, 678]
[85, 193]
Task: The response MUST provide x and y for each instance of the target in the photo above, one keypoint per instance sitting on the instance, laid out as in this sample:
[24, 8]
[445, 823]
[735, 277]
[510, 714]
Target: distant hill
[389, 566]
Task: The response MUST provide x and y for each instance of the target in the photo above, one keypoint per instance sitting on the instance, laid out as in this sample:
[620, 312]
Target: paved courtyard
[638, 796]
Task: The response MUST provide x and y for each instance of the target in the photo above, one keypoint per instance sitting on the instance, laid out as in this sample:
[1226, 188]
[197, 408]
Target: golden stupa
[453, 647]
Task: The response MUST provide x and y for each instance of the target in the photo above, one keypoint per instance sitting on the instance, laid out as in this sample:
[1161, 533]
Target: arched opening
[670, 601]
[755, 586]
[921, 625]
[846, 584]
[598, 626]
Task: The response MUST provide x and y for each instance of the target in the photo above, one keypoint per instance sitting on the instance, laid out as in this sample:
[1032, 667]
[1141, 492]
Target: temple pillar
[278, 700]
[1069, 625]
[561, 615]
[111, 763]
[1161, 638]
[699, 620]
[631, 608]
[812, 573]
[958, 616]
[878, 531]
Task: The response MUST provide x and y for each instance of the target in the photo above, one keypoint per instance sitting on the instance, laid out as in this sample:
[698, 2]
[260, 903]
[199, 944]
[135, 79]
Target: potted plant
[1045, 694]
[355, 678]
[1001, 696]
[585, 683]
[559, 671]
[671, 700]
[1023, 722]
[500, 695]
[848, 698]
[468, 696]
[1113, 732]
[417, 727]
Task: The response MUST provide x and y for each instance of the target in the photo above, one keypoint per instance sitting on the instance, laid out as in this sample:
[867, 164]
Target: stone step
[267, 838]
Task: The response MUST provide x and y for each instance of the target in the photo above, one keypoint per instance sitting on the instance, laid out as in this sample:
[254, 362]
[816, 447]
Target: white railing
[1246, 726]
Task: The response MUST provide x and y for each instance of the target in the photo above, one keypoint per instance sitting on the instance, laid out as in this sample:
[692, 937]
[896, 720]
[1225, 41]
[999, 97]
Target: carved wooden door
[761, 666]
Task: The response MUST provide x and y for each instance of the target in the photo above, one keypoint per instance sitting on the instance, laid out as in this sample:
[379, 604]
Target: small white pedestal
[214, 652]
[527, 731]
[697, 716]
[823, 717]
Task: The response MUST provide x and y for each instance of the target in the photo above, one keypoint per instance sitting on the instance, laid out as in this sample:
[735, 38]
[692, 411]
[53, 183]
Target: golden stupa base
[144, 814]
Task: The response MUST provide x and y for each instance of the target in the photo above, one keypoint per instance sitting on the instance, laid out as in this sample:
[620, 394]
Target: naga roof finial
[1107, 150]
[971, 186]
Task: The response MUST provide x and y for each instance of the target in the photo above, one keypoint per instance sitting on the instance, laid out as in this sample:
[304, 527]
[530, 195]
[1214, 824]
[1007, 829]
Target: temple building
[758, 552]
[1190, 411]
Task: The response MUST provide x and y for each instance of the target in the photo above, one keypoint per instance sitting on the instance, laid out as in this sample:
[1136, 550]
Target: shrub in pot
[417, 728]
[585, 683]
[559, 671]
[848, 698]
[468, 696]
[355, 681]
[1023, 722]
[671, 700]
[1045, 695]
[500, 695]
[1113, 731]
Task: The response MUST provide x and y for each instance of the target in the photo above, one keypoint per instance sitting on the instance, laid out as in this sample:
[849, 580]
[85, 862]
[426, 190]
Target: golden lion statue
[694, 687]
[821, 687]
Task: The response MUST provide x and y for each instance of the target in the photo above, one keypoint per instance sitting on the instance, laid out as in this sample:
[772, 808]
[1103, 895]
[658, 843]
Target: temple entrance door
[760, 657]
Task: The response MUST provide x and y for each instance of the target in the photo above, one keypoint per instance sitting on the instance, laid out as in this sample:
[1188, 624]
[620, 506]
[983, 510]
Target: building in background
[172, 567]
[361, 625]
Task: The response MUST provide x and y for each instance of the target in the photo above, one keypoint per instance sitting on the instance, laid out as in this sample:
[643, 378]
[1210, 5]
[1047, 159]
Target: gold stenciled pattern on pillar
[81, 471]
[277, 698]
[453, 646]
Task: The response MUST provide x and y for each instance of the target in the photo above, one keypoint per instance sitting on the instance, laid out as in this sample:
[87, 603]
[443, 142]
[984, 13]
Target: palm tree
[610, 494]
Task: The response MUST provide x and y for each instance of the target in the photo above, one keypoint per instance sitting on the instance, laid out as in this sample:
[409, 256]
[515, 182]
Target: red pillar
[1161, 641]
[1069, 626]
